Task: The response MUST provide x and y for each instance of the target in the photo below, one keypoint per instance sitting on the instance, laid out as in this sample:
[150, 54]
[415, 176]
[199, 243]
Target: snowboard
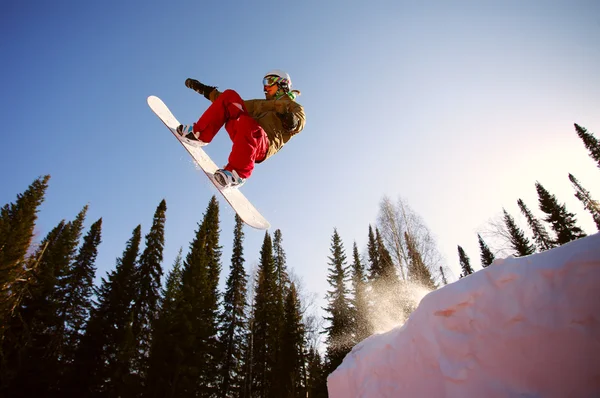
[240, 204]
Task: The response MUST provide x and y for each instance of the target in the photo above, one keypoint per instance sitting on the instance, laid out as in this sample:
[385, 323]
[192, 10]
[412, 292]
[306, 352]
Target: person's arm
[290, 113]
[292, 117]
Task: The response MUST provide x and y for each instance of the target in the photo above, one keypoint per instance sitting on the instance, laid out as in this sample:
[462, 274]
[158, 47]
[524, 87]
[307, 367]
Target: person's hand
[288, 120]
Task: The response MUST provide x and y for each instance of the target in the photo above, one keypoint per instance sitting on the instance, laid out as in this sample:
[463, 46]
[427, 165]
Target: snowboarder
[258, 128]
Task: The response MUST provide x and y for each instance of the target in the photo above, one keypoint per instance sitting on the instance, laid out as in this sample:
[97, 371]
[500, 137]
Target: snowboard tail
[236, 199]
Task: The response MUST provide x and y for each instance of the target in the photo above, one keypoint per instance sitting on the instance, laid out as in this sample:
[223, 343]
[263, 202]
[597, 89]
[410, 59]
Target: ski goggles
[271, 80]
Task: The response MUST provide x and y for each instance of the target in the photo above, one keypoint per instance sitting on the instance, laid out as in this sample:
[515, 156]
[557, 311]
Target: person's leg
[228, 106]
[250, 143]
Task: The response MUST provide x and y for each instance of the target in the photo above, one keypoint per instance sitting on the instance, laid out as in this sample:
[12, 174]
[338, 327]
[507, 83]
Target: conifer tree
[317, 380]
[417, 270]
[147, 286]
[30, 345]
[541, 237]
[116, 306]
[171, 295]
[233, 324]
[388, 271]
[17, 222]
[164, 354]
[266, 344]
[359, 301]
[381, 266]
[591, 205]
[213, 250]
[195, 372]
[248, 360]
[102, 365]
[64, 268]
[279, 257]
[283, 285]
[375, 270]
[45, 307]
[79, 296]
[386, 289]
[292, 346]
[487, 257]
[519, 242]
[338, 338]
[563, 223]
[590, 142]
[465, 263]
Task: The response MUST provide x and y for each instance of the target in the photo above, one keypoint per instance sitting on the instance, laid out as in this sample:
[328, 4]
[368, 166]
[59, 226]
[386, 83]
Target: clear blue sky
[459, 107]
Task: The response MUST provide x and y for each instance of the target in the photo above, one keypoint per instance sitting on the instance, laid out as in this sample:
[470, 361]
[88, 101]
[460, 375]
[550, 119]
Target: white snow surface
[523, 327]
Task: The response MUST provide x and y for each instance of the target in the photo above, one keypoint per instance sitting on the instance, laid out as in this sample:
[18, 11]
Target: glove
[288, 121]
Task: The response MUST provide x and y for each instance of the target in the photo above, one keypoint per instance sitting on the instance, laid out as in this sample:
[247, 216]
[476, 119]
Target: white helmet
[285, 82]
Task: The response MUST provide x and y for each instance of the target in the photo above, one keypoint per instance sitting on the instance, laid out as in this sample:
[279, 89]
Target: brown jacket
[271, 115]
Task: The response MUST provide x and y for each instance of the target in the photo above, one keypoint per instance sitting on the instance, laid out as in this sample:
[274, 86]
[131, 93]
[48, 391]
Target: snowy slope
[523, 327]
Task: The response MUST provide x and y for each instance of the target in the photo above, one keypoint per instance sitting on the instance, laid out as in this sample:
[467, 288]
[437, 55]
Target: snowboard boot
[200, 88]
[186, 131]
[227, 178]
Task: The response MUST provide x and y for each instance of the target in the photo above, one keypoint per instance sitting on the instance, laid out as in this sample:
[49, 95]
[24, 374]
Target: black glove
[288, 120]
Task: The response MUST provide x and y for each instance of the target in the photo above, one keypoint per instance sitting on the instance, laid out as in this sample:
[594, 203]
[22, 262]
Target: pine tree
[118, 299]
[195, 372]
[248, 355]
[465, 263]
[317, 379]
[388, 271]
[30, 345]
[360, 301]
[386, 292]
[292, 346]
[487, 257]
[164, 354]
[417, 270]
[520, 243]
[543, 240]
[283, 279]
[17, 222]
[148, 284]
[338, 338]
[591, 205]
[563, 223]
[44, 310]
[233, 325]
[590, 142]
[102, 365]
[213, 250]
[65, 271]
[381, 266]
[375, 270]
[266, 344]
[283, 286]
[79, 296]
[171, 295]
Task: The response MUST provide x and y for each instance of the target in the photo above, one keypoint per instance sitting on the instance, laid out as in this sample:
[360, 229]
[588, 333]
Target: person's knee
[231, 94]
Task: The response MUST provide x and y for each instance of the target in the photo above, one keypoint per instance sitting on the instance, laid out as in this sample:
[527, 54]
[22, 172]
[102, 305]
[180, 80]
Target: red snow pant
[250, 142]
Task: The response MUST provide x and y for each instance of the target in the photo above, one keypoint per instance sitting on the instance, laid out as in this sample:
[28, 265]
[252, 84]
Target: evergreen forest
[150, 329]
